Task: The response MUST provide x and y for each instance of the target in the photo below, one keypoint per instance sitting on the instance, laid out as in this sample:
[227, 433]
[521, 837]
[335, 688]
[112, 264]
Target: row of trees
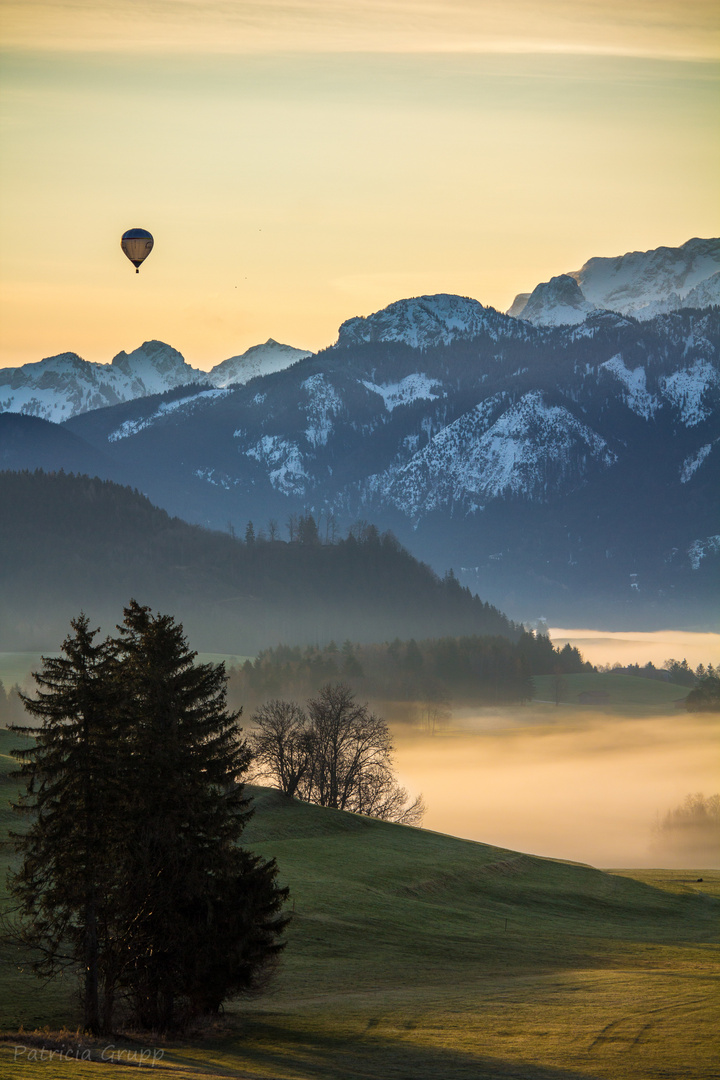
[302, 529]
[476, 669]
[131, 870]
[675, 671]
[335, 753]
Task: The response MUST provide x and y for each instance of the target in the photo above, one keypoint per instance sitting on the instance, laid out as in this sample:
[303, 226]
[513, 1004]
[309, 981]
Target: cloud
[649, 28]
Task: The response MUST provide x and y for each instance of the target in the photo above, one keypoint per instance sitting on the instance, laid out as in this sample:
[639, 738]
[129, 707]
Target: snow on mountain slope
[692, 463]
[687, 389]
[531, 450]
[323, 403]
[257, 360]
[557, 302]
[416, 387]
[420, 322]
[165, 409]
[705, 294]
[154, 368]
[62, 386]
[283, 461]
[646, 283]
[640, 283]
[636, 395]
[701, 549]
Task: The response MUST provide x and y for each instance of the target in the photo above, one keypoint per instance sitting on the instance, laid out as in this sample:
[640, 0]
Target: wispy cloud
[648, 28]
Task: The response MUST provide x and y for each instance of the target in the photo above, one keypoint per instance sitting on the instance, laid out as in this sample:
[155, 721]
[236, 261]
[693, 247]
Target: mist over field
[582, 786]
[640, 646]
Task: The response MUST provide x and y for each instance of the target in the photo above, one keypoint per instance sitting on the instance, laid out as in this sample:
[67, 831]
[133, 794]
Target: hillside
[411, 953]
[69, 543]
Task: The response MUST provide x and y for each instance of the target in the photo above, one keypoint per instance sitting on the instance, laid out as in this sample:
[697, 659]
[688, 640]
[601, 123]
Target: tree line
[472, 669]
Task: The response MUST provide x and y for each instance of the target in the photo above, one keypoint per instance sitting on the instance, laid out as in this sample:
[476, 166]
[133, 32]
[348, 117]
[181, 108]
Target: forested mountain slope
[69, 543]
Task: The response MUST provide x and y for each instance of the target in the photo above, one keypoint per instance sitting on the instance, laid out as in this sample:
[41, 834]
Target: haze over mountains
[560, 469]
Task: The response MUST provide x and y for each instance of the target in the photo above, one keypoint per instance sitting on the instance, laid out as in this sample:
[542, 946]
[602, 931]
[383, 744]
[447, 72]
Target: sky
[300, 162]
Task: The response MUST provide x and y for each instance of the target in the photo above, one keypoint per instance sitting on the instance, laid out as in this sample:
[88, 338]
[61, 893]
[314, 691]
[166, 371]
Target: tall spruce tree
[204, 916]
[65, 885]
[131, 870]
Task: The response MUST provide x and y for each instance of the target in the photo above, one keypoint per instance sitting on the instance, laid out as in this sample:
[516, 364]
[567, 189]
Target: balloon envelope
[137, 245]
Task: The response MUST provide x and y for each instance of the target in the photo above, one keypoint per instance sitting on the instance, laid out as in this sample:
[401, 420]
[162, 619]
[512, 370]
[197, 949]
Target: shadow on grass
[281, 1051]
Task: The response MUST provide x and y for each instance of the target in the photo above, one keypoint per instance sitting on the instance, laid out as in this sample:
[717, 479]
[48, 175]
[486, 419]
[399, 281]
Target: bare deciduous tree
[279, 743]
[338, 754]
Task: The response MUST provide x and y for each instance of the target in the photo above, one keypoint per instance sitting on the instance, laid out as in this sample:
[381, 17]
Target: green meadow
[612, 692]
[412, 954]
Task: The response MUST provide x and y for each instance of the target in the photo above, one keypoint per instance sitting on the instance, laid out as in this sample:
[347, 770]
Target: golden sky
[302, 162]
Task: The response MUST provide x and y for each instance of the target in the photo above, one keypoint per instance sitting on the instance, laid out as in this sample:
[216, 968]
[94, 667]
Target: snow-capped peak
[65, 385]
[645, 283]
[640, 283]
[557, 302]
[421, 321]
[257, 360]
[156, 367]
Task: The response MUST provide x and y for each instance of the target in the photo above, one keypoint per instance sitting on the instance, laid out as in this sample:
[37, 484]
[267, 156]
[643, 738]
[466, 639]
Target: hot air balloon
[137, 245]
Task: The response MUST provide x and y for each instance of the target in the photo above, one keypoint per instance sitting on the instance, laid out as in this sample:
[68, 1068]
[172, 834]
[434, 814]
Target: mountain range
[65, 385]
[567, 471]
[641, 283]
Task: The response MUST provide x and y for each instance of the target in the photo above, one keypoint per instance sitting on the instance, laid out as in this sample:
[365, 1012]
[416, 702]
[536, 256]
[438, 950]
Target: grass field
[625, 693]
[412, 954]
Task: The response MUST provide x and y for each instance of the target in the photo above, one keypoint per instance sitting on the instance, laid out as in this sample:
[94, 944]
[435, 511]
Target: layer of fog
[583, 787]
[640, 647]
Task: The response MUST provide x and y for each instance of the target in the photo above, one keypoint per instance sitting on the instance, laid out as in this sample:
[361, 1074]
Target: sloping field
[417, 955]
[610, 692]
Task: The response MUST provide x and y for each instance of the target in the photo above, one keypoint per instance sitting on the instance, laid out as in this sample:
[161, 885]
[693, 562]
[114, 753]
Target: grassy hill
[414, 954]
[611, 692]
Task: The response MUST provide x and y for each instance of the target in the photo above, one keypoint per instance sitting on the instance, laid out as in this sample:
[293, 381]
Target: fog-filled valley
[596, 783]
[579, 785]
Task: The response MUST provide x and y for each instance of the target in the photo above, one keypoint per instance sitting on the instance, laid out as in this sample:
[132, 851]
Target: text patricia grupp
[120, 1056]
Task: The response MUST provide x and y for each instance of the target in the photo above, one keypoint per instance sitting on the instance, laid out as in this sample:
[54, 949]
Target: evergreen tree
[204, 914]
[66, 884]
[132, 871]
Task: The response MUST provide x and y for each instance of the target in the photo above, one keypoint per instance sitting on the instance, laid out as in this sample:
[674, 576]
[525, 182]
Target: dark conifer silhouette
[132, 871]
